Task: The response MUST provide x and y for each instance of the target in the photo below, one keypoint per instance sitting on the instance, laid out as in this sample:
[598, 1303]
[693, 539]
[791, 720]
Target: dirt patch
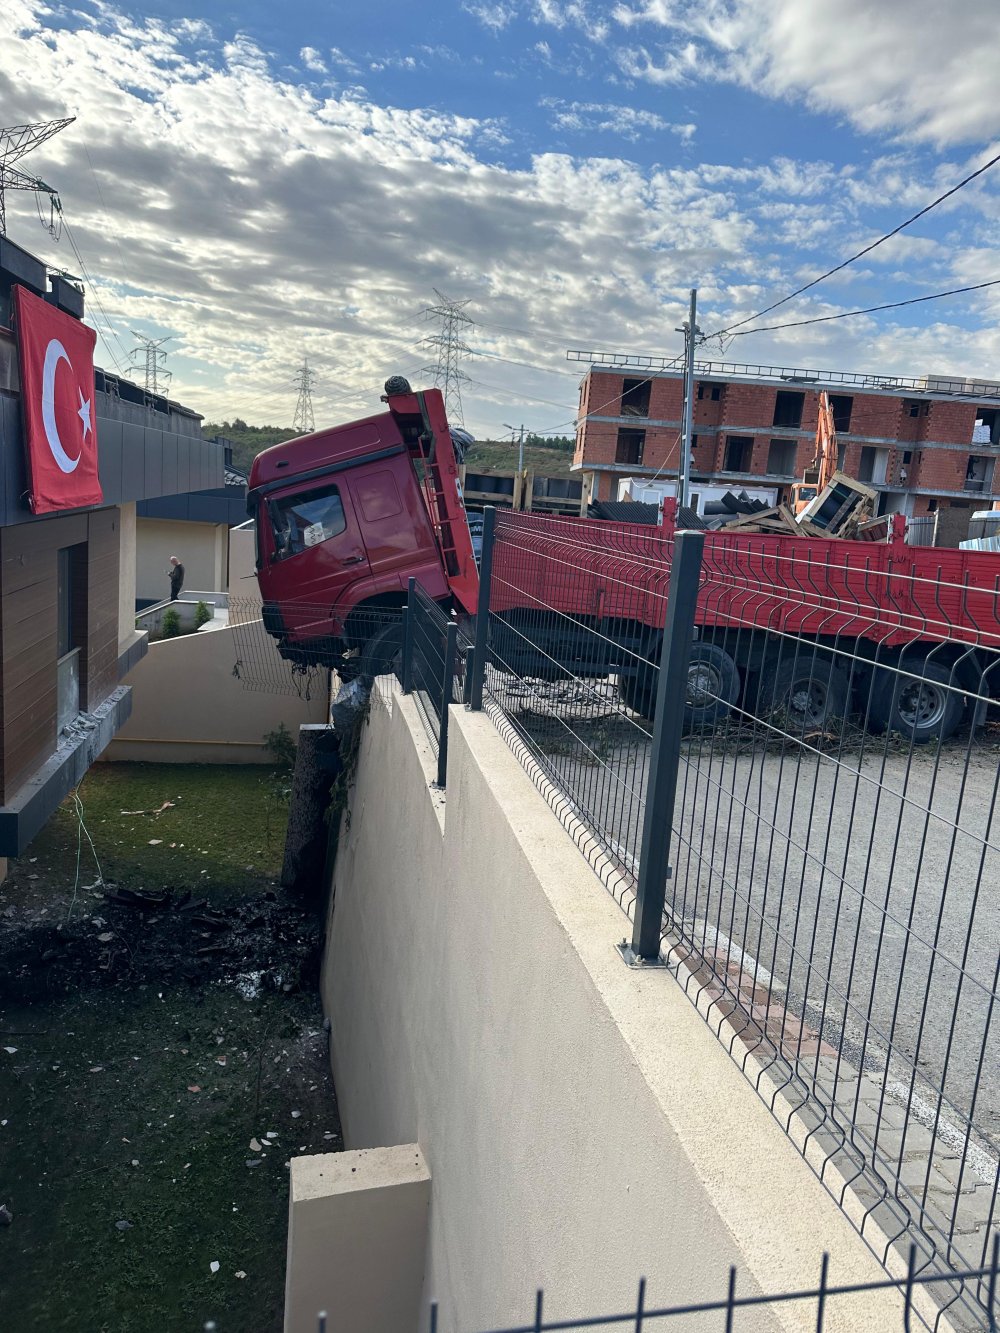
[171, 937]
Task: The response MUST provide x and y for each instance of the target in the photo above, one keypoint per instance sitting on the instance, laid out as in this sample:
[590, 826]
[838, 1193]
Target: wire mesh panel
[574, 610]
[833, 901]
[258, 662]
[432, 668]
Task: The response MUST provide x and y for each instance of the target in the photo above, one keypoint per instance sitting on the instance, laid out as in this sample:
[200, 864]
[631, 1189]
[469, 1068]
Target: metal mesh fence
[820, 1304]
[432, 668]
[832, 902]
[258, 664]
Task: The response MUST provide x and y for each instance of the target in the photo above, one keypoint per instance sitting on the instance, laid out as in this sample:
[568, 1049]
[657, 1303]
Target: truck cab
[345, 517]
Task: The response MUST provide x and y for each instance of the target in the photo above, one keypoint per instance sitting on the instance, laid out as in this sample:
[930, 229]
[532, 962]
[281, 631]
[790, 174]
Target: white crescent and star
[54, 353]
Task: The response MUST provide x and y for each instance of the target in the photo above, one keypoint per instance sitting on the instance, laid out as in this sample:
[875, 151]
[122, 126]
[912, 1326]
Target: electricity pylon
[448, 377]
[148, 357]
[16, 142]
[304, 420]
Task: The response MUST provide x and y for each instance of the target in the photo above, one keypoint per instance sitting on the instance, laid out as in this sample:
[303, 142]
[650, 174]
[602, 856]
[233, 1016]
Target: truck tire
[809, 693]
[382, 653]
[918, 704]
[713, 686]
[637, 689]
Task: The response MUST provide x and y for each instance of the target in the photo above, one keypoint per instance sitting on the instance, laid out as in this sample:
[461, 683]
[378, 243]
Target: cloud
[312, 59]
[256, 218]
[603, 117]
[896, 67]
[495, 17]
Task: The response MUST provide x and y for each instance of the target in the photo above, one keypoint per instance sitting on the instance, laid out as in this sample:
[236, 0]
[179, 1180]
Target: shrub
[202, 614]
[281, 744]
[171, 624]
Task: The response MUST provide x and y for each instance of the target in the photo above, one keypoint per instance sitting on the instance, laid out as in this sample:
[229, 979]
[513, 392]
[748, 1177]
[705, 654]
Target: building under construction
[927, 446]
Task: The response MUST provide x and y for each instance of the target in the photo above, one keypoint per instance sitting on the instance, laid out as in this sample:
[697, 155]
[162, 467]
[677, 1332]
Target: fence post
[483, 610]
[407, 680]
[447, 685]
[665, 751]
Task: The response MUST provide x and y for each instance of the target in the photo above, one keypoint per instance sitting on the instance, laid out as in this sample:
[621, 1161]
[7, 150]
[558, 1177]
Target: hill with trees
[548, 455]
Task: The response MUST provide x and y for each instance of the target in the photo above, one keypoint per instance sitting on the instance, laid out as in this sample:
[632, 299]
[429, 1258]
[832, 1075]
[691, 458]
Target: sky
[260, 183]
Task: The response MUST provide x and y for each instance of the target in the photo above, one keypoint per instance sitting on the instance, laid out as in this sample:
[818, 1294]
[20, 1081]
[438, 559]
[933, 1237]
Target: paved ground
[856, 895]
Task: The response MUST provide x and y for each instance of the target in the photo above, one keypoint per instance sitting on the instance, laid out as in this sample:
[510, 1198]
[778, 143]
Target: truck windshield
[306, 520]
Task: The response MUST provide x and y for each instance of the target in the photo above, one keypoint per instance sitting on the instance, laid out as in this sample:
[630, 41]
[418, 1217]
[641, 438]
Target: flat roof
[923, 386]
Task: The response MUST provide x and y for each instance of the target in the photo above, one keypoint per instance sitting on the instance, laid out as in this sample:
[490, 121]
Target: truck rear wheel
[637, 690]
[809, 693]
[713, 686]
[921, 701]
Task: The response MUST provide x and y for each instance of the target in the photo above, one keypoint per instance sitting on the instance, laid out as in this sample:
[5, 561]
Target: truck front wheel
[920, 700]
[382, 653]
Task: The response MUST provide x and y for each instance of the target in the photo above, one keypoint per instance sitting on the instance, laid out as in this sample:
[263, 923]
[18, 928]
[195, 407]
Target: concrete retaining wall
[188, 708]
[582, 1126]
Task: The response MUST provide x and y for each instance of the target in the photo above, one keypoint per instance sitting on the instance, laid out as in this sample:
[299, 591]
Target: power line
[448, 377]
[861, 253]
[869, 310]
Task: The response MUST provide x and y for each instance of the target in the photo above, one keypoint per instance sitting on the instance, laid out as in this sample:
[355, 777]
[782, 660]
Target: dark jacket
[176, 580]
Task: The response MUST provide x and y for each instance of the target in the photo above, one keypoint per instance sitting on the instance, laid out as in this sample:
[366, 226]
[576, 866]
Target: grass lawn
[145, 1059]
[224, 828]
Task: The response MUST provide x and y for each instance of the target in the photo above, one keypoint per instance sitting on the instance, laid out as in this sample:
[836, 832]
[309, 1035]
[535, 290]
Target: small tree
[202, 615]
[171, 624]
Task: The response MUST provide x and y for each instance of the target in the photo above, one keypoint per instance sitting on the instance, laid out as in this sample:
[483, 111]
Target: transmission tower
[148, 357]
[304, 420]
[15, 143]
[450, 348]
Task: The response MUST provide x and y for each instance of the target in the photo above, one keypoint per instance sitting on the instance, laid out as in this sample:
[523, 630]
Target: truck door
[318, 552]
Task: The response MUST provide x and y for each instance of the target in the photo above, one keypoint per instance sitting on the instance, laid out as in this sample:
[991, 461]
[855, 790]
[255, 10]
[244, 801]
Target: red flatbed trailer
[884, 617]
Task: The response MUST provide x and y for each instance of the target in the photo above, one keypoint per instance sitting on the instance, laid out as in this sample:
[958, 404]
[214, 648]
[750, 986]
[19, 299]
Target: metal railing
[432, 668]
[823, 1302]
[807, 833]
[974, 390]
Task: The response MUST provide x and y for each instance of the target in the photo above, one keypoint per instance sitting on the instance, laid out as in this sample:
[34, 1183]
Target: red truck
[906, 635]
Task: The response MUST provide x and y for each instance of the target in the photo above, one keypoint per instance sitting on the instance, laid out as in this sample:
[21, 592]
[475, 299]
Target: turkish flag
[56, 358]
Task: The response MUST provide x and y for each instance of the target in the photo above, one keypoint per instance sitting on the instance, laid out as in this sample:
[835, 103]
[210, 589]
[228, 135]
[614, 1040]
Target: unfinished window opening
[781, 455]
[987, 430]
[841, 455]
[842, 405]
[978, 473]
[706, 389]
[872, 465]
[788, 409]
[739, 453]
[630, 446]
[915, 408]
[635, 398]
[907, 455]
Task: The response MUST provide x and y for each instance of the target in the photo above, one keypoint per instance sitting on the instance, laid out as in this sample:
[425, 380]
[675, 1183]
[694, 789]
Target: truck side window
[306, 520]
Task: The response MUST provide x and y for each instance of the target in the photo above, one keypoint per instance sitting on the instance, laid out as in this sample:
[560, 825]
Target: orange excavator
[818, 475]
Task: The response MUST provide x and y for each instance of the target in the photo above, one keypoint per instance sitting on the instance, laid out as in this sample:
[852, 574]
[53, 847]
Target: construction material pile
[844, 508]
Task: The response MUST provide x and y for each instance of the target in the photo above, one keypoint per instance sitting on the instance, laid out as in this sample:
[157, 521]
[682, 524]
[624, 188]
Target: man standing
[176, 573]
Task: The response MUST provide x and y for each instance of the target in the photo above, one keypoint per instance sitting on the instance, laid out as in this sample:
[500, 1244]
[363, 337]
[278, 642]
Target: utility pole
[148, 358]
[304, 420]
[15, 143]
[690, 331]
[450, 348]
[520, 448]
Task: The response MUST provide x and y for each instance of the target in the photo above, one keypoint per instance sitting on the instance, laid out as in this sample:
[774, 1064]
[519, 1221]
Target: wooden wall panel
[29, 631]
[28, 648]
[103, 554]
